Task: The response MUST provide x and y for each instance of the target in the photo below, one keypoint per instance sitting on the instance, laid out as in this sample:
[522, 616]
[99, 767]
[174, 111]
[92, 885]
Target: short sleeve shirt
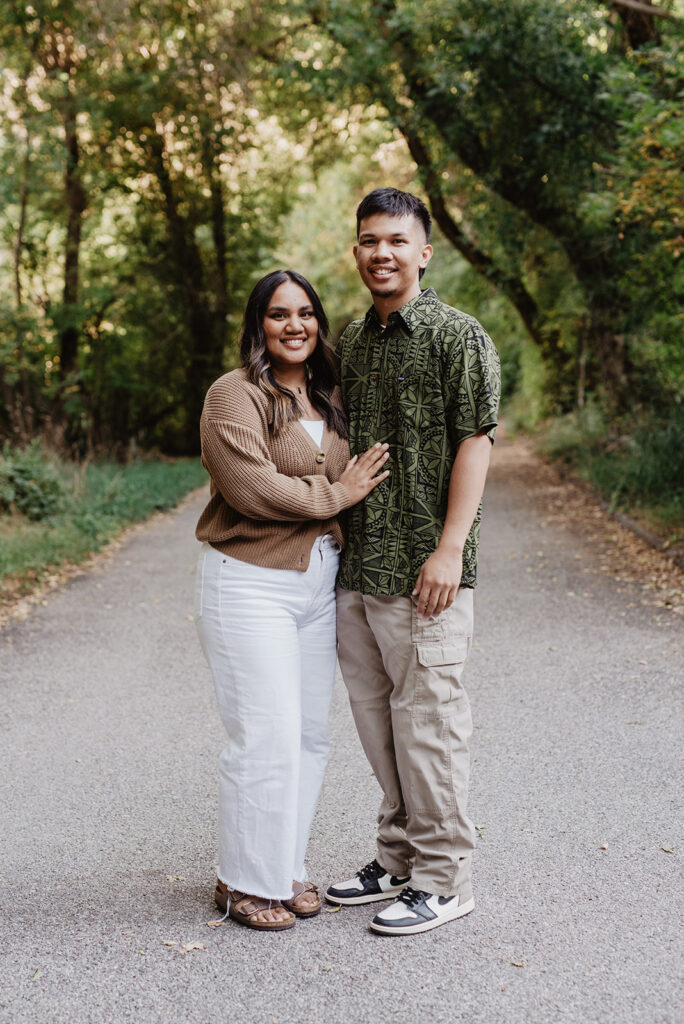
[427, 381]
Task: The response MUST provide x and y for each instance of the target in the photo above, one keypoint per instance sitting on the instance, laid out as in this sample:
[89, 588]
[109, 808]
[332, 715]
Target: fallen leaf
[175, 878]
[38, 974]
[604, 847]
[329, 967]
[141, 952]
[168, 943]
[667, 848]
[190, 946]
[518, 963]
[215, 924]
[332, 910]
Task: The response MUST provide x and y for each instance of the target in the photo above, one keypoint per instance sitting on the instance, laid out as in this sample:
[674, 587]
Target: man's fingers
[446, 599]
[424, 601]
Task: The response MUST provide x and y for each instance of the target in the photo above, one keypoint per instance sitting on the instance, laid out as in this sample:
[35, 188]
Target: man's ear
[355, 251]
[426, 256]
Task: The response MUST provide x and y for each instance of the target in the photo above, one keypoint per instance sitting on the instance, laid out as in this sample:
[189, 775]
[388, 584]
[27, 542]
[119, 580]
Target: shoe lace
[372, 870]
[411, 897]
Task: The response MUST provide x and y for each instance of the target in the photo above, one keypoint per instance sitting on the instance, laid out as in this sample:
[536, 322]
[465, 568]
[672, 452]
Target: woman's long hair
[322, 374]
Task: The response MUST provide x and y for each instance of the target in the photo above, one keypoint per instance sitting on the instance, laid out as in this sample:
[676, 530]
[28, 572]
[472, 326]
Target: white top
[315, 429]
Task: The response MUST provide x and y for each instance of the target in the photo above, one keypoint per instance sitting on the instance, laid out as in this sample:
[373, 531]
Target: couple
[418, 408]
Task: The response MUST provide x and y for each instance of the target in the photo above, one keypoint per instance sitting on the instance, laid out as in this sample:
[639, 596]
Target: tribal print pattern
[426, 382]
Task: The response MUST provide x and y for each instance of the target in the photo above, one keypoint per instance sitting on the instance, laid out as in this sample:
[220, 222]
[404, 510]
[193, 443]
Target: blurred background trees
[160, 155]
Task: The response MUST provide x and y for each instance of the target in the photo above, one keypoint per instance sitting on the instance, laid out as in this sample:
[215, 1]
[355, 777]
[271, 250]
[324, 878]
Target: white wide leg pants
[269, 638]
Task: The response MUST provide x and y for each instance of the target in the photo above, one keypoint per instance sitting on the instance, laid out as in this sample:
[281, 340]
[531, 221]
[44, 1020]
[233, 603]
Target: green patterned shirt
[426, 382]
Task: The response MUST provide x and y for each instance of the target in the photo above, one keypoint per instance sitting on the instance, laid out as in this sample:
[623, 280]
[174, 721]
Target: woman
[274, 443]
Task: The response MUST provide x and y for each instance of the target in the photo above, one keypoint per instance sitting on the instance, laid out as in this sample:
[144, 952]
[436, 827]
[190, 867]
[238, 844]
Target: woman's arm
[234, 450]
[239, 463]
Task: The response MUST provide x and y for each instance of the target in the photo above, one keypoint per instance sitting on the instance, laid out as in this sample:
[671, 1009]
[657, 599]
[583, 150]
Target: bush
[30, 482]
[632, 464]
[93, 502]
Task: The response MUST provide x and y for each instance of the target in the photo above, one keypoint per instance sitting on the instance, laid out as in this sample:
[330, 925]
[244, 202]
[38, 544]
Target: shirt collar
[410, 314]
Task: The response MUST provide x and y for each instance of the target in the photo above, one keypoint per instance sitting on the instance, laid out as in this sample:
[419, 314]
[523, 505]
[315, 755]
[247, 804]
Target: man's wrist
[451, 548]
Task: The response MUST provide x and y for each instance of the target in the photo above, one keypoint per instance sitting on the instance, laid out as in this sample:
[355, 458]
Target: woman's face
[290, 326]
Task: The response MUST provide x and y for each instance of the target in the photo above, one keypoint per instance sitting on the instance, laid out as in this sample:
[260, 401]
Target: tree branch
[643, 8]
[510, 284]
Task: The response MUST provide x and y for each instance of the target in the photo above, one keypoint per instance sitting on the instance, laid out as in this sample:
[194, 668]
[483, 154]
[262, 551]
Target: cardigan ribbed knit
[271, 496]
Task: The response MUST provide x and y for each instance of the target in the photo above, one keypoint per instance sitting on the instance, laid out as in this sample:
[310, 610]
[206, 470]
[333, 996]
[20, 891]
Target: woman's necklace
[305, 406]
[306, 409]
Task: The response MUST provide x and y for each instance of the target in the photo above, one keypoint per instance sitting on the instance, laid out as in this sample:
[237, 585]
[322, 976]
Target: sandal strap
[298, 888]
[248, 906]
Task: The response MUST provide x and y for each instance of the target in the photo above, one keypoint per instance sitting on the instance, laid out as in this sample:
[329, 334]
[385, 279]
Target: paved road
[108, 805]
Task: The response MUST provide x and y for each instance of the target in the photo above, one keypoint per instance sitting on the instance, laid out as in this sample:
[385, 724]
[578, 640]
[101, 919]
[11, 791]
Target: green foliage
[95, 502]
[219, 139]
[633, 465]
[30, 482]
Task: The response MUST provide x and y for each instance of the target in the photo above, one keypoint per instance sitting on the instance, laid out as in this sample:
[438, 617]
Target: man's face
[389, 254]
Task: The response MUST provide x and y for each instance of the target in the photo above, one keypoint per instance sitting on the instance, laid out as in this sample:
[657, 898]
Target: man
[425, 378]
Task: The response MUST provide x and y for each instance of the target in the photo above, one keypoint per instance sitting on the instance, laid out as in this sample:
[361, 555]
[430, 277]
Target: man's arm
[440, 575]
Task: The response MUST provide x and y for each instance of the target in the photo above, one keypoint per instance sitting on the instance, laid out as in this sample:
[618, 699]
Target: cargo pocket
[439, 670]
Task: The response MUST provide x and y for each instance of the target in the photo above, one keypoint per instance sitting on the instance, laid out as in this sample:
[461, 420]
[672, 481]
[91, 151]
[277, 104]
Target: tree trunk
[22, 413]
[75, 206]
[638, 22]
[590, 269]
[205, 340]
[511, 285]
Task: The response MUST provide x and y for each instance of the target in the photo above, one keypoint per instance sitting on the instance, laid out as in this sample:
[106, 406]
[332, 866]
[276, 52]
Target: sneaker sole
[375, 897]
[424, 926]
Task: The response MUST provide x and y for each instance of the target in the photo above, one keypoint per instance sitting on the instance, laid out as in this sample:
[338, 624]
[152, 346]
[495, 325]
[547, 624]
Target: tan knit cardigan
[270, 496]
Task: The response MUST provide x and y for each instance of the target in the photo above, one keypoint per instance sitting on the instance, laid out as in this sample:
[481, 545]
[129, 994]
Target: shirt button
[320, 457]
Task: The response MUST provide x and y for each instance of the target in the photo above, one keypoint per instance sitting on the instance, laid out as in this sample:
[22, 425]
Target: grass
[95, 503]
[637, 466]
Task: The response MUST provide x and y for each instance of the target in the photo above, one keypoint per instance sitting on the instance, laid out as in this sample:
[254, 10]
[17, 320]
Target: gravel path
[109, 744]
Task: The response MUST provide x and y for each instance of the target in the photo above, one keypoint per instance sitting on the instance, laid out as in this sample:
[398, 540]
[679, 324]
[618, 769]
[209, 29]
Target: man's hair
[396, 204]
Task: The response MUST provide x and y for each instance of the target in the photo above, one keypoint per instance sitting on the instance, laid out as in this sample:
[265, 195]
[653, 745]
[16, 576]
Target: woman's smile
[290, 326]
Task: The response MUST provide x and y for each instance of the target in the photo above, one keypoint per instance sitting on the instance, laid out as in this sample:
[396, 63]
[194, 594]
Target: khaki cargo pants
[403, 674]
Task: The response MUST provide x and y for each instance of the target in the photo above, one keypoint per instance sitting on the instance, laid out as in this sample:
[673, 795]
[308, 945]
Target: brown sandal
[244, 908]
[303, 909]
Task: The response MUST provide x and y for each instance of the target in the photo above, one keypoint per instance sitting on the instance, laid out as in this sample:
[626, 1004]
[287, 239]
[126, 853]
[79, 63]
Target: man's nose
[382, 251]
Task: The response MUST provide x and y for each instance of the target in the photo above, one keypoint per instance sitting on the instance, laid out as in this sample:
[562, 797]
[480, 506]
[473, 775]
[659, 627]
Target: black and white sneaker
[368, 885]
[416, 911]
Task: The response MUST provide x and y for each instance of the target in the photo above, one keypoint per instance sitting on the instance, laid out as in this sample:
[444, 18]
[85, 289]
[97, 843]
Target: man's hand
[440, 575]
[438, 580]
